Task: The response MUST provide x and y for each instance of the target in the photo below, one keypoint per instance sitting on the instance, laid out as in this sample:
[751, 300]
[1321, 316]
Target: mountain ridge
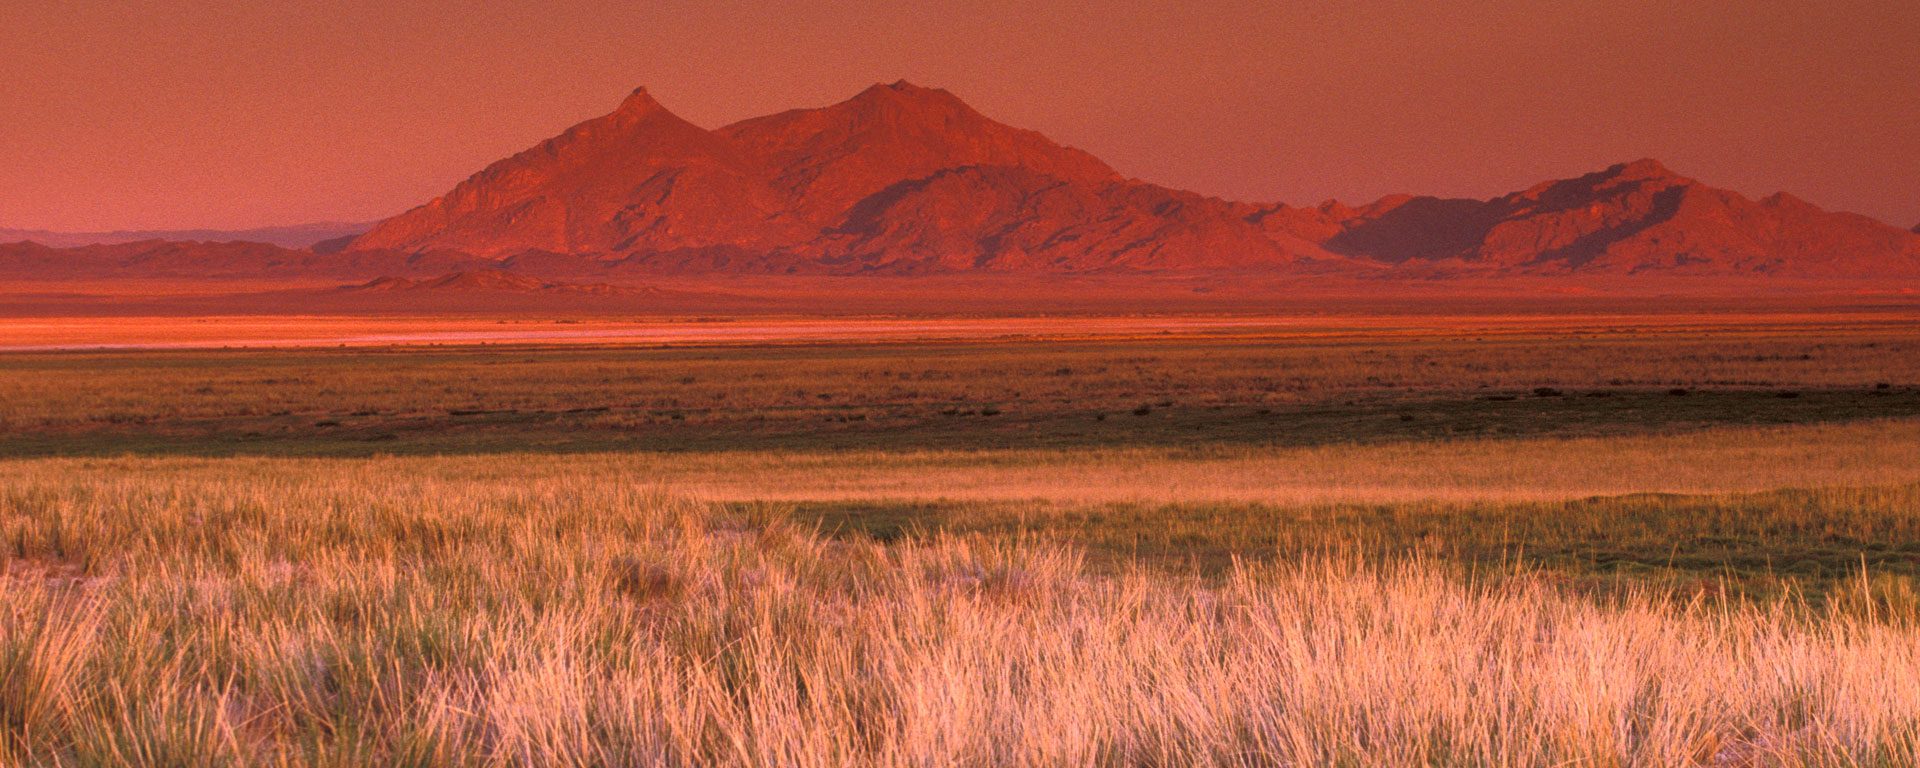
[904, 179]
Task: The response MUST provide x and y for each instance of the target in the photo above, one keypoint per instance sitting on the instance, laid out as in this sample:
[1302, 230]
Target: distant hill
[296, 236]
[1632, 218]
[162, 259]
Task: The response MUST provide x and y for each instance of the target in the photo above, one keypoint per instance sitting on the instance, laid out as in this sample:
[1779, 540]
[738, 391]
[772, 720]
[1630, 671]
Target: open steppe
[1579, 538]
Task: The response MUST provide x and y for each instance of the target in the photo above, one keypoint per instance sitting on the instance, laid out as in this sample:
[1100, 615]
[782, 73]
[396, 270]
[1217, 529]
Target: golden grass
[1041, 605]
[1710, 461]
[540, 612]
[1718, 460]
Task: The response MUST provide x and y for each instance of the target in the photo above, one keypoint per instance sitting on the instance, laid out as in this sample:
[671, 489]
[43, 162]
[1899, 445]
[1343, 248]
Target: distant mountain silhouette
[218, 261]
[295, 236]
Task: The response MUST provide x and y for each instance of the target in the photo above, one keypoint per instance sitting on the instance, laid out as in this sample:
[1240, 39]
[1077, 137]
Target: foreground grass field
[1607, 546]
[1758, 509]
[443, 612]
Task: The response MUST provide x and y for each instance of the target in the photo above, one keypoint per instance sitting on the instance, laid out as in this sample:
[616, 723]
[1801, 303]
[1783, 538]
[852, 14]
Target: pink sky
[240, 113]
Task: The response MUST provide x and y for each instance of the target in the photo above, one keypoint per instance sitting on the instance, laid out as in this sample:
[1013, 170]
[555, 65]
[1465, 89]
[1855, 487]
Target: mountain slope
[640, 178]
[487, 281]
[1014, 219]
[898, 179]
[826, 160]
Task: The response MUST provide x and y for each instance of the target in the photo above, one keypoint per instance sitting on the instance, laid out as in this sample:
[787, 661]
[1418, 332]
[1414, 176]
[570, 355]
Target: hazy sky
[167, 114]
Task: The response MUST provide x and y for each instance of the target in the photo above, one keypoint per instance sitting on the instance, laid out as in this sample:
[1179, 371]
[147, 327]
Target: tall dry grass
[412, 612]
[1716, 460]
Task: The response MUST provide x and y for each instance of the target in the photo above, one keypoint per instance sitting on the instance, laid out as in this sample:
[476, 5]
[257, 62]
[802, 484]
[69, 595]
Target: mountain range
[293, 236]
[906, 180]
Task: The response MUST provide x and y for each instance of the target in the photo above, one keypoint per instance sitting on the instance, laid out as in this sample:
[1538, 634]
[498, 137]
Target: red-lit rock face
[899, 178]
[905, 179]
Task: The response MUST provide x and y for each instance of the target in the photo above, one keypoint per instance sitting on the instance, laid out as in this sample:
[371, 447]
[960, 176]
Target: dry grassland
[1566, 543]
[416, 612]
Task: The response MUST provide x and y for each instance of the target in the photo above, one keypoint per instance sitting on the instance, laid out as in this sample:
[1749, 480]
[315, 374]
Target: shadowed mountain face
[1632, 218]
[486, 280]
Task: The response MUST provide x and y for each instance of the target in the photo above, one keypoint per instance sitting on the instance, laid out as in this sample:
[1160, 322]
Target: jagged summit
[906, 96]
[905, 89]
[639, 177]
[1644, 168]
[831, 158]
[639, 103]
